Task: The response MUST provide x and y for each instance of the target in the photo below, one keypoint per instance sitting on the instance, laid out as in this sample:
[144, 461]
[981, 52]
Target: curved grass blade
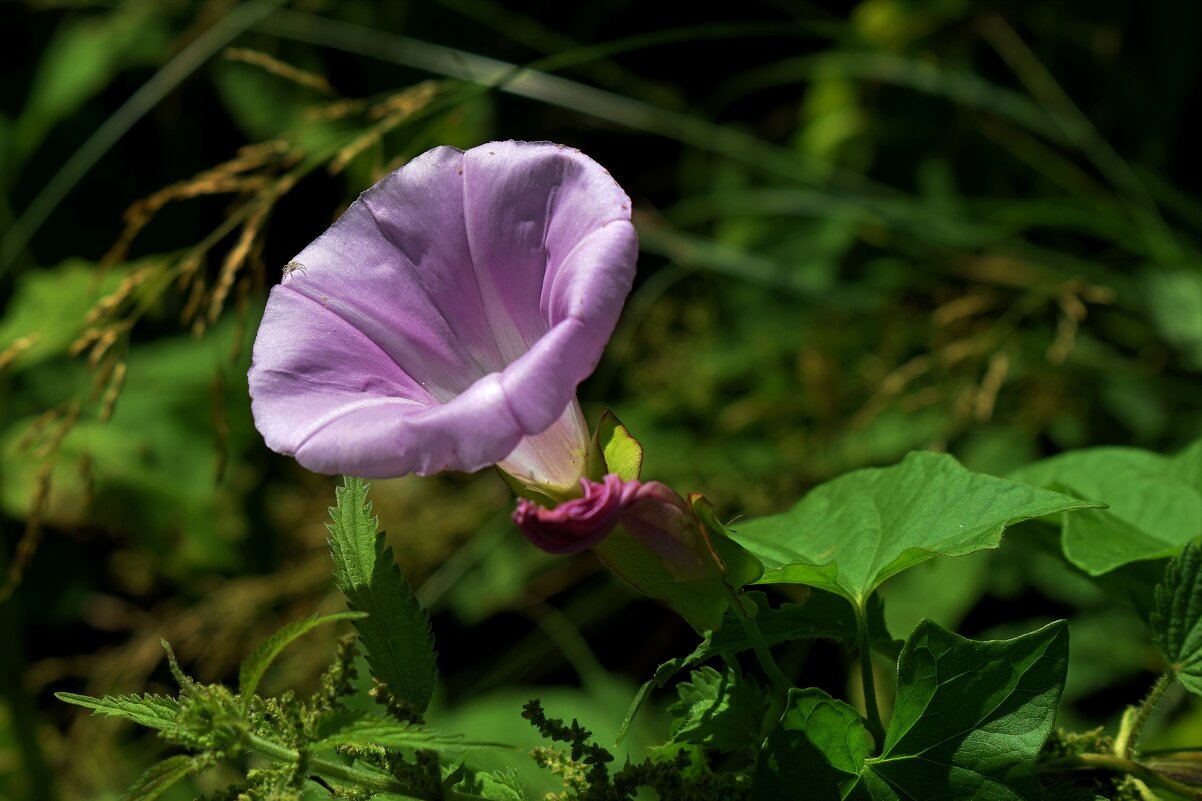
[255, 665]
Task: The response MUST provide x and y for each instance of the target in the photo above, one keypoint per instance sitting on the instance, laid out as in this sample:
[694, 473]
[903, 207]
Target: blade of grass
[532, 83]
[169, 76]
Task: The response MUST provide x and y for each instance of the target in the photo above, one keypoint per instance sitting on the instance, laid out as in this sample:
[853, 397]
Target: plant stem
[1130, 744]
[868, 678]
[1117, 764]
[363, 779]
[758, 644]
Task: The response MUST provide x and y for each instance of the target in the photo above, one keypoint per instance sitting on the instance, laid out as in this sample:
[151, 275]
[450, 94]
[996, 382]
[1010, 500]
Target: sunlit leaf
[1154, 503]
[152, 711]
[396, 633]
[851, 534]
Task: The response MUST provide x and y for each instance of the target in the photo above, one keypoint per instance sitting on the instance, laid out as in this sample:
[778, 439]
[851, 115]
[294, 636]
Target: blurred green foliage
[866, 229]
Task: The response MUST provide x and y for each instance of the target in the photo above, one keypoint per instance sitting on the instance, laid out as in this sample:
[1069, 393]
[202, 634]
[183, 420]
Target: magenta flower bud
[652, 513]
[661, 520]
[578, 524]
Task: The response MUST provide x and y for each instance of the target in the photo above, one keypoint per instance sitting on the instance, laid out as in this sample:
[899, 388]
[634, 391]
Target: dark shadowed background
[866, 228]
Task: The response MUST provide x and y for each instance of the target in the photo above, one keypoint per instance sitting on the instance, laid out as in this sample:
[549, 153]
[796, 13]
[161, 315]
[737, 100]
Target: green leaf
[614, 450]
[823, 615]
[153, 711]
[1177, 618]
[851, 534]
[970, 720]
[1154, 503]
[817, 751]
[48, 307]
[389, 733]
[255, 665]
[718, 710]
[396, 633]
[161, 777]
[501, 785]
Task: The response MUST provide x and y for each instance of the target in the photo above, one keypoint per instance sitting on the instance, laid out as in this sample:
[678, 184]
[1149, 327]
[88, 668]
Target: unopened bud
[661, 520]
[574, 525]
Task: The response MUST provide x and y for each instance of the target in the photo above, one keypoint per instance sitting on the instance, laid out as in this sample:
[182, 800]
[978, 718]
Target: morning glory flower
[445, 320]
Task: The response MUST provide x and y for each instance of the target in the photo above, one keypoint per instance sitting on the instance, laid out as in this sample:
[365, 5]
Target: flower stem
[868, 678]
[366, 780]
[780, 682]
[1118, 764]
[1129, 738]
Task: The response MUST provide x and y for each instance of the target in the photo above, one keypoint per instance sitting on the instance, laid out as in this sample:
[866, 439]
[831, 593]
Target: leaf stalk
[868, 678]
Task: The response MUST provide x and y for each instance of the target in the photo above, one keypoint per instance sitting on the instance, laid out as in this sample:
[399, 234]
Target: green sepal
[613, 450]
[522, 491]
[700, 601]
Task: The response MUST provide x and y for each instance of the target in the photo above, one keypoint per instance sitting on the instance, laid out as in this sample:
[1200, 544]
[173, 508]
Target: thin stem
[1117, 764]
[367, 780]
[171, 75]
[868, 678]
[758, 644]
[1131, 743]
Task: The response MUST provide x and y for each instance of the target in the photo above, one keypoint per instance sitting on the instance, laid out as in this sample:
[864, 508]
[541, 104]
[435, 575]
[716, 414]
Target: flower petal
[450, 312]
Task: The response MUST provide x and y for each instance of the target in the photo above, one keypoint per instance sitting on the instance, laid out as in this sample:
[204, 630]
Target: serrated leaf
[851, 534]
[1177, 618]
[255, 665]
[1154, 503]
[161, 777]
[501, 785]
[389, 733]
[153, 711]
[614, 450]
[396, 634]
[969, 722]
[718, 710]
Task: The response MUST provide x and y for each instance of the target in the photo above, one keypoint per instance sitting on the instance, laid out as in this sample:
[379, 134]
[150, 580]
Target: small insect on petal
[292, 267]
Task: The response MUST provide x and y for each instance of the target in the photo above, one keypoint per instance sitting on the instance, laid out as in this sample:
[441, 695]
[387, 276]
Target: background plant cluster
[866, 229]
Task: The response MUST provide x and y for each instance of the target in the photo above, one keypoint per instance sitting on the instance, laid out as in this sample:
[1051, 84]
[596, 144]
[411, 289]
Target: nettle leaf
[153, 711]
[396, 634]
[1154, 503]
[255, 665]
[373, 730]
[1177, 618]
[161, 777]
[851, 534]
[499, 785]
[614, 450]
[718, 710]
[970, 720]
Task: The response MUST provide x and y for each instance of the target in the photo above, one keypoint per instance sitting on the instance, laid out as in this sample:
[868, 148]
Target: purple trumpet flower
[445, 320]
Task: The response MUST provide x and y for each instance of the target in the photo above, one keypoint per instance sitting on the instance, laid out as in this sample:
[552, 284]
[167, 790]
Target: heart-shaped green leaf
[1154, 503]
[970, 720]
[851, 534]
